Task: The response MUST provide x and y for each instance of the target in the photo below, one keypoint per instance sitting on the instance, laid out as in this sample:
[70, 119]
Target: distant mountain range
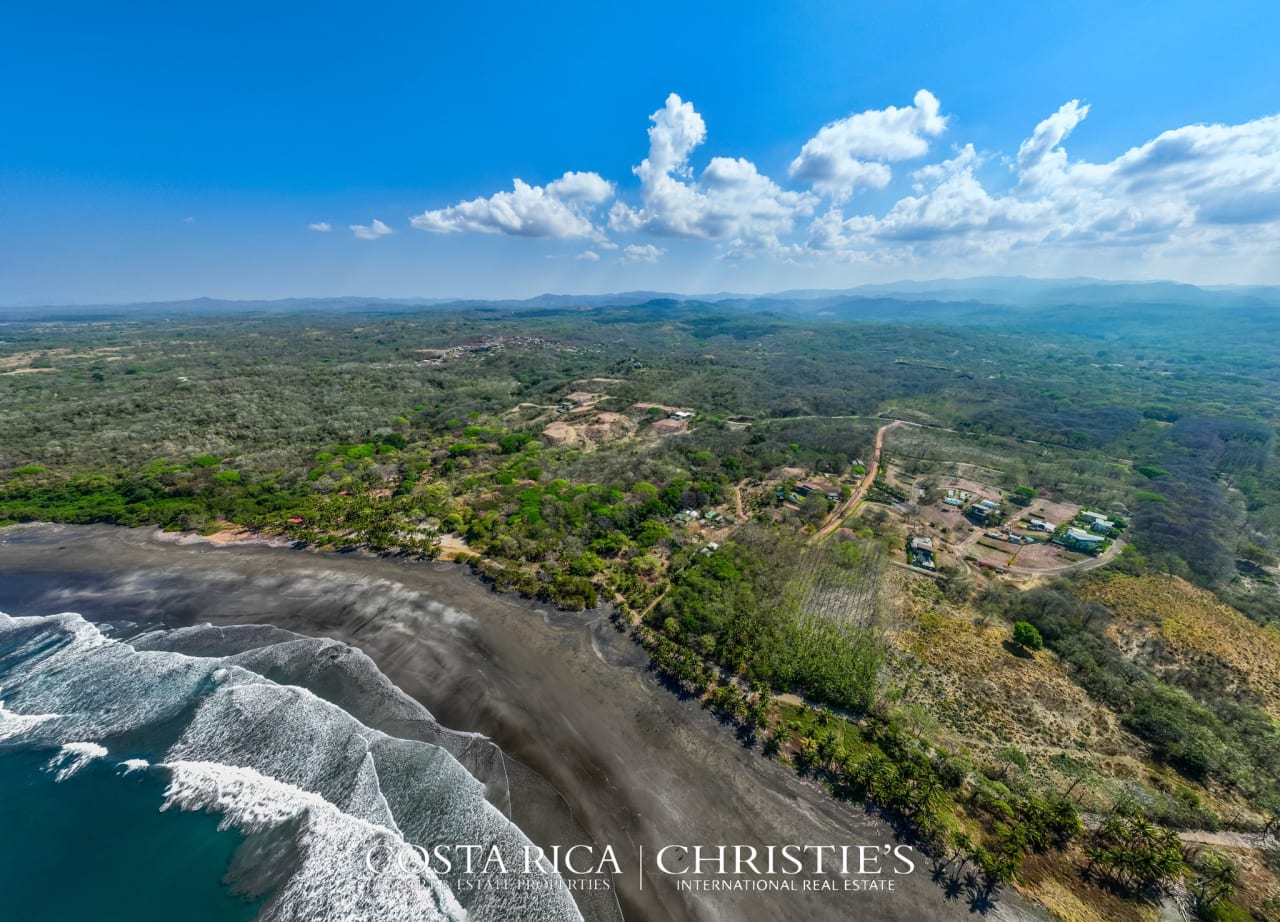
[943, 300]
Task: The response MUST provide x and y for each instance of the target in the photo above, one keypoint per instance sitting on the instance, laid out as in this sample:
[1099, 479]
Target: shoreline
[231, 535]
[564, 694]
[224, 537]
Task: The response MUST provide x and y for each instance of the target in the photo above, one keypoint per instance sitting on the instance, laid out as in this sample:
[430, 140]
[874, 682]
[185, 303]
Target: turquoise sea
[96, 848]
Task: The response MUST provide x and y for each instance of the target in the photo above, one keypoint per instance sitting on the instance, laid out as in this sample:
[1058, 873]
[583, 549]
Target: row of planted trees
[877, 762]
[927, 789]
[930, 787]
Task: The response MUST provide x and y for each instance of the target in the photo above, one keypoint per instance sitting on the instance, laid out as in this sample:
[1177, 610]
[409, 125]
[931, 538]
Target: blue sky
[169, 150]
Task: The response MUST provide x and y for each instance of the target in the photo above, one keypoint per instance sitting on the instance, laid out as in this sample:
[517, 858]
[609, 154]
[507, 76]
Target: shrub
[513, 442]
[1022, 496]
[1025, 635]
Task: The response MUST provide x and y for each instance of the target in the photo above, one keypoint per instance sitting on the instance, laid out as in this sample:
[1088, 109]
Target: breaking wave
[299, 743]
[72, 757]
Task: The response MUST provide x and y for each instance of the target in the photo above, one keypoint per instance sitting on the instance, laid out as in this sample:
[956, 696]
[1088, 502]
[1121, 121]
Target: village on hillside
[962, 520]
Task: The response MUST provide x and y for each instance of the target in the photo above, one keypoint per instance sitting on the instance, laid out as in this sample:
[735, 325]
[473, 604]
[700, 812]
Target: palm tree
[929, 795]
[1215, 880]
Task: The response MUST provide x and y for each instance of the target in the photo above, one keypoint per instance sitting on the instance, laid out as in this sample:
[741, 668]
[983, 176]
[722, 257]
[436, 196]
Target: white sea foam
[13, 725]
[312, 786]
[72, 757]
[64, 665]
[330, 880]
[69, 623]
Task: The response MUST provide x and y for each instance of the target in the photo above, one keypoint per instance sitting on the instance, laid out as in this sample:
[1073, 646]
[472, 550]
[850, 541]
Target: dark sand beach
[567, 695]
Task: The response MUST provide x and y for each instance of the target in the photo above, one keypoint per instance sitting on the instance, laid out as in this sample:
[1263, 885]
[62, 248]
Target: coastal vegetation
[700, 469]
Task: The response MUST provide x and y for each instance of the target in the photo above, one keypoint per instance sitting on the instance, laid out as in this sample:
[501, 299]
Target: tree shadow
[952, 889]
[1016, 649]
[673, 685]
[982, 902]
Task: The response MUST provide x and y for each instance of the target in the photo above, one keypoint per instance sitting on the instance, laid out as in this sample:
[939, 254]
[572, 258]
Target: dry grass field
[1178, 626]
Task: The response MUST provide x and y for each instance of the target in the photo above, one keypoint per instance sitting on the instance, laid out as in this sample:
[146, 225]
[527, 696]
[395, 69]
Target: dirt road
[843, 511]
[1079, 566]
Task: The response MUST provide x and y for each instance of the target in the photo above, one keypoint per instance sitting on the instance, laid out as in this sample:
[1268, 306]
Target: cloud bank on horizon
[1197, 188]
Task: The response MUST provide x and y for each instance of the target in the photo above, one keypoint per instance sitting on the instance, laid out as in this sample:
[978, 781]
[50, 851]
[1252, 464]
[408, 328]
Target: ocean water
[197, 774]
[95, 846]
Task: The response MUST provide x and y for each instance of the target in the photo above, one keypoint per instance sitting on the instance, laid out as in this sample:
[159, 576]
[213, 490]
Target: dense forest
[649, 456]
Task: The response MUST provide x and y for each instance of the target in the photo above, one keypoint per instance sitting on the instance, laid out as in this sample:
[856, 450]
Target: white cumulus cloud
[642, 253]
[1199, 188]
[1041, 155]
[853, 152]
[731, 200]
[559, 209]
[370, 231]
[1208, 190]
[322, 226]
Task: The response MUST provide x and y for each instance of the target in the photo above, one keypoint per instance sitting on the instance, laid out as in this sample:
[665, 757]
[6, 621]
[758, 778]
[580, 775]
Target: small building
[1092, 516]
[829, 490]
[984, 511]
[681, 414]
[1040, 525]
[952, 501]
[920, 553]
[1102, 526]
[1080, 540]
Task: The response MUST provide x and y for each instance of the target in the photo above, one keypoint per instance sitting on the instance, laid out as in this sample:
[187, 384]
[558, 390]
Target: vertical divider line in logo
[642, 866]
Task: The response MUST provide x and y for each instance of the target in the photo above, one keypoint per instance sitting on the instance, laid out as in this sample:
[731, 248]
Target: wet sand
[566, 695]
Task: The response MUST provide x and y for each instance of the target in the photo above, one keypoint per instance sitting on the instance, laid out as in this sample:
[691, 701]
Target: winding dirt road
[844, 509]
[1079, 566]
